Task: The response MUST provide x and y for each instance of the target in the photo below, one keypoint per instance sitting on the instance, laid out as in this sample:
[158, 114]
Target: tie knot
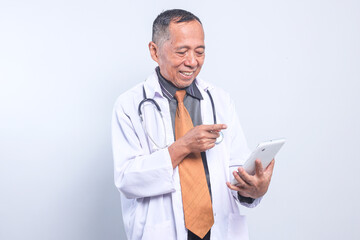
[180, 95]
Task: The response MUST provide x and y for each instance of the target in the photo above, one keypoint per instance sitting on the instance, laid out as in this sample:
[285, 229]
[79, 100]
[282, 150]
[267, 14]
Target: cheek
[201, 60]
[178, 62]
[173, 62]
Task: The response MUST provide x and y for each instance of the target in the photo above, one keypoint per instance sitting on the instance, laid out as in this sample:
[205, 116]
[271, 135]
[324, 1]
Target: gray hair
[160, 31]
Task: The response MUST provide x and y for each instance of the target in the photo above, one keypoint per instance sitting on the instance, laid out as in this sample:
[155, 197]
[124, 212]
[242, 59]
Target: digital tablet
[265, 152]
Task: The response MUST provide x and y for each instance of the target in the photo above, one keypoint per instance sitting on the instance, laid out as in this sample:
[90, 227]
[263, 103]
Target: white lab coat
[150, 187]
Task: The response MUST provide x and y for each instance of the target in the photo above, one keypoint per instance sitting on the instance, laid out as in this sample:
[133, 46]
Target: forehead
[186, 32]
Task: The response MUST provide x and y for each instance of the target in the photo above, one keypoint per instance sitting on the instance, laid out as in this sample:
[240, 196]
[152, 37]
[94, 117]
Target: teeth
[187, 73]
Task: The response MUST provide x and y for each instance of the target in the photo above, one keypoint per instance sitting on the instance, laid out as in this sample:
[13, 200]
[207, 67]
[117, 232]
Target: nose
[191, 60]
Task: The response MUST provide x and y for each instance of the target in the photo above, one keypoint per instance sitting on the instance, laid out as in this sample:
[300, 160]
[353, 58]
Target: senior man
[173, 175]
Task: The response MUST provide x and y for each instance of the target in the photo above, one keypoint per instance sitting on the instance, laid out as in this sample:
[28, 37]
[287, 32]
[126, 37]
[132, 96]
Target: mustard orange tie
[194, 190]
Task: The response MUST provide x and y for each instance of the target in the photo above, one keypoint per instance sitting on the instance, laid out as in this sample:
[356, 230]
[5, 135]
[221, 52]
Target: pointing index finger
[215, 127]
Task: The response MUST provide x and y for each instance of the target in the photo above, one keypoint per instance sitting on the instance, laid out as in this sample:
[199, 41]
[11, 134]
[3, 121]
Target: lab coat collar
[203, 84]
[152, 86]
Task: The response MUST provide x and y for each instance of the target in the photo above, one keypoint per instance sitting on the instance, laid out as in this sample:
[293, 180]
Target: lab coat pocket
[163, 230]
[237, 227]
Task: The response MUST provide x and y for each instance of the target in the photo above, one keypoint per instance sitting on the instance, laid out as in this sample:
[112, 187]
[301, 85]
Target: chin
[184, 84]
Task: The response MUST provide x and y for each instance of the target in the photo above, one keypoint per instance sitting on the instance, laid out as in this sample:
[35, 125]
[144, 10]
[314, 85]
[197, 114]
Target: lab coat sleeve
[239, 151]
[138, 174]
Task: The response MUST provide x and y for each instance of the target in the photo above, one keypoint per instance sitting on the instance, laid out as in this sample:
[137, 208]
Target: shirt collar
[168, 89]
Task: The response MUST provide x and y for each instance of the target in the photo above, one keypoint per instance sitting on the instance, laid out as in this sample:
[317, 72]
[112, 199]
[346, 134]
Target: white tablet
[265, 152]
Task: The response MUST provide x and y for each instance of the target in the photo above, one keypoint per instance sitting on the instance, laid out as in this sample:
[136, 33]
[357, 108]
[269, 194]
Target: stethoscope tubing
[218, 140]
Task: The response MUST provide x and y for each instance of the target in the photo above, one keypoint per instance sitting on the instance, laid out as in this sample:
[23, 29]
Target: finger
[271, 165]
[244, 193]
[206, 141]
[269, 169]
[206, 146]
[240, 191]
[241, 183]
[259, 168]
[215, 127]
[210, 145]
[203, 140]
[233, 187]
[212, 135]
[245, 176]
[204, 134]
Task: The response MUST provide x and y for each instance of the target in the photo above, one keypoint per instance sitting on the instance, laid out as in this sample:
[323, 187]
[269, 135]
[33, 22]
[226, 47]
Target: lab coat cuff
[246, 203]
[248, 200]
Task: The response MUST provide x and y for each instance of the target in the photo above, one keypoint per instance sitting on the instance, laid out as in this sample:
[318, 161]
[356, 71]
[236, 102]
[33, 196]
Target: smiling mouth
[187, 74]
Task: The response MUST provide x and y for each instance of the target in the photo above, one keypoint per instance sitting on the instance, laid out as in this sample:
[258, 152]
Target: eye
[181, 53]
[200, 52]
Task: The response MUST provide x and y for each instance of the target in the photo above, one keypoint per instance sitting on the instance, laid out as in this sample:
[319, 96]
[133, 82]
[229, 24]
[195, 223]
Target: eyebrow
[181, 47]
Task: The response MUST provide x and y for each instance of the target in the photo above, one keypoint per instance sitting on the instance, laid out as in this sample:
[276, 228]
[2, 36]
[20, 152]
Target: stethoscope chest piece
[220, 138]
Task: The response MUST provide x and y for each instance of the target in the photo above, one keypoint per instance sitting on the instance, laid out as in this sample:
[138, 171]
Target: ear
[153, 48]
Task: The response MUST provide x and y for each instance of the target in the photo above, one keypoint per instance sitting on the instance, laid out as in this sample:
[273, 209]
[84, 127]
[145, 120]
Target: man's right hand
[198, 139]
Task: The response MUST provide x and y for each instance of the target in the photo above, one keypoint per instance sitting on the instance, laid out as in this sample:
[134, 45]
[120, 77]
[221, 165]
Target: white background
[293, 68]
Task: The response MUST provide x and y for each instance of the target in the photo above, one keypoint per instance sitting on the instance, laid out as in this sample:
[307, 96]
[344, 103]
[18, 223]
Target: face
[181, 57]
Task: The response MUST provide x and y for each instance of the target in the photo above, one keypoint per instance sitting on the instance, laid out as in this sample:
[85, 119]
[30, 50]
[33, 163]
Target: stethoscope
[158, 109]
